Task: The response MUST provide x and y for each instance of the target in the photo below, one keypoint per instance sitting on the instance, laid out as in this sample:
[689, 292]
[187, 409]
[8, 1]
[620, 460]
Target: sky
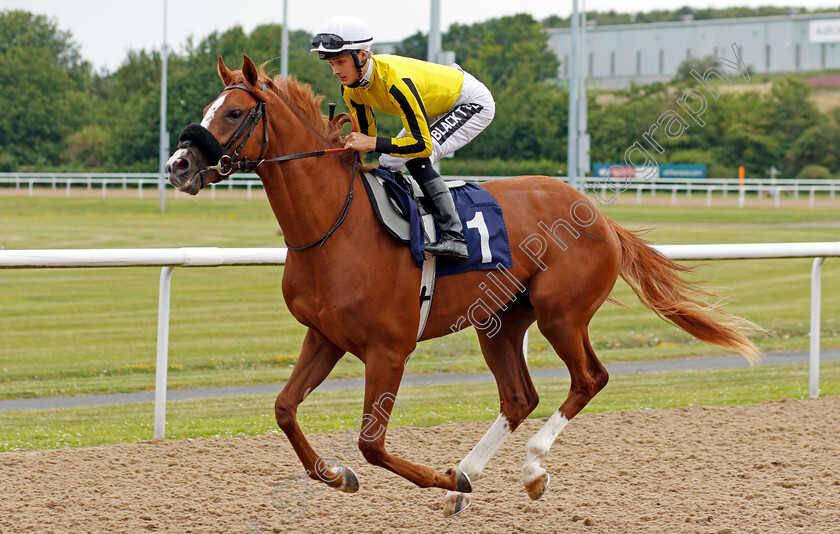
[106, 30]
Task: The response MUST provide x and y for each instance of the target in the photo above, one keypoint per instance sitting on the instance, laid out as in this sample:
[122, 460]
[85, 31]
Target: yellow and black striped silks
[412, 89]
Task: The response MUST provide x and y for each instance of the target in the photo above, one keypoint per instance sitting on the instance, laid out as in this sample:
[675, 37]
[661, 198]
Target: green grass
[423, 406]
[85, 331]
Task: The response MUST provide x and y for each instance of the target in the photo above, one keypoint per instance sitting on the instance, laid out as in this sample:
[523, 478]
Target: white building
[645, 53]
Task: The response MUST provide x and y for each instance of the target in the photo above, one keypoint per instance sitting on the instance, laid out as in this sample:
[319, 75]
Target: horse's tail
[657, 283]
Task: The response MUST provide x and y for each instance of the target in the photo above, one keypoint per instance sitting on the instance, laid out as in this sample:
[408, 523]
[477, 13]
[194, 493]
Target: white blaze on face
[208, 118]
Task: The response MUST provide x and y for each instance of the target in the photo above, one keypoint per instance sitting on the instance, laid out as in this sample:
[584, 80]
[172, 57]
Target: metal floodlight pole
[582, 109]
[164, 136]
[284, 42]
[572, 147]
[434, 45]
[433, 49]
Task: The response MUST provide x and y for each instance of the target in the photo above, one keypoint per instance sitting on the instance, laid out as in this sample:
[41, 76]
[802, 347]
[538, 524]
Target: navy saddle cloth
[481, 217]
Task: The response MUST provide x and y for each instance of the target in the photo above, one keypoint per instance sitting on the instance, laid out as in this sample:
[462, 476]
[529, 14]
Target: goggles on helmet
[331, 41]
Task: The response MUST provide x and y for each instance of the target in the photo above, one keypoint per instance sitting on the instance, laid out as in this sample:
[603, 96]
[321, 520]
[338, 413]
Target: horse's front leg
[383, 373]
[318, 356]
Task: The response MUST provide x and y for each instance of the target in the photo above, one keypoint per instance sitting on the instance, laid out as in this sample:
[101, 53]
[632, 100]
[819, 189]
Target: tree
[745, 144]
[529, 124]
[85, 148]
[789, 111]
[132, 114]
[817, 145]
[416, 46]
[45, 90]
[814, 172]
[698, 65]
[615, 128]
[195, 82]
[501, 49]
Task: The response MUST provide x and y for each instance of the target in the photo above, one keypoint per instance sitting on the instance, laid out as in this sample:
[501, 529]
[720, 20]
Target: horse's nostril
[182, 164]
[168, 169]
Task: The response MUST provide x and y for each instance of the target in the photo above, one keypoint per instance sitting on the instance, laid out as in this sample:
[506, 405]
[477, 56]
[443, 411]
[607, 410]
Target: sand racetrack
[767, 468]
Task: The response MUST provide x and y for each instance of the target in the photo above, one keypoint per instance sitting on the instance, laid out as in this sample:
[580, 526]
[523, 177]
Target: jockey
[442, 109]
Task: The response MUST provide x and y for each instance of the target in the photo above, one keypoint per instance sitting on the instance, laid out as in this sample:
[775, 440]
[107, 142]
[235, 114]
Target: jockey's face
[344, 67]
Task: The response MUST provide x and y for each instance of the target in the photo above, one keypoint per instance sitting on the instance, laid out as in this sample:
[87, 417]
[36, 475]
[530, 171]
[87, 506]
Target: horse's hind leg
[588, 376]
[517, 395]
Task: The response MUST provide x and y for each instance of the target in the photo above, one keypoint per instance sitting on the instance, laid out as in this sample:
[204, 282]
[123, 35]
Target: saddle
[399, 204]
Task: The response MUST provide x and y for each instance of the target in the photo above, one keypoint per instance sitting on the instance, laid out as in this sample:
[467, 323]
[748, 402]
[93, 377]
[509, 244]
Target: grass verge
[424, 406]
[93, 331]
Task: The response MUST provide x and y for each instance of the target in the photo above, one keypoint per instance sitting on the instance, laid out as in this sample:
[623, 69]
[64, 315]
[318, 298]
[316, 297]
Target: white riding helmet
[340, 35]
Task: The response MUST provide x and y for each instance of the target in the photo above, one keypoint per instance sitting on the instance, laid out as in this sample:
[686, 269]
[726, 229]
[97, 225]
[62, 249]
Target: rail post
[162, 363]
[814, 372]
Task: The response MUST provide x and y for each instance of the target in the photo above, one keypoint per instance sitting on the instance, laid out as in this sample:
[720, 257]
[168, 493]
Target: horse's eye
[235, 114]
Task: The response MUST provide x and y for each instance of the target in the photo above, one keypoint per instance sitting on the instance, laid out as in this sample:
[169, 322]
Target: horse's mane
[302, 100]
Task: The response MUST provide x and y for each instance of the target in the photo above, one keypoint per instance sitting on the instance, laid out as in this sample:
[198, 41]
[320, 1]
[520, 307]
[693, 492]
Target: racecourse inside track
[765, 468]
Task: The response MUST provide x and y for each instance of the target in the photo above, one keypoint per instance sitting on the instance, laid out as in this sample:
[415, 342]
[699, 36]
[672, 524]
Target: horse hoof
[454, 503]
[463, 482]
[350, 482]
[537, 487]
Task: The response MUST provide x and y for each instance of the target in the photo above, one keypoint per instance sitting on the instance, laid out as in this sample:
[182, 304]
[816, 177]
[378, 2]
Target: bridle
[229, 164]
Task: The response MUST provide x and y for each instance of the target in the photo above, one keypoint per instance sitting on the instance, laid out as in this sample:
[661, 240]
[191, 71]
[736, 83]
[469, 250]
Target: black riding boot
[451, 242]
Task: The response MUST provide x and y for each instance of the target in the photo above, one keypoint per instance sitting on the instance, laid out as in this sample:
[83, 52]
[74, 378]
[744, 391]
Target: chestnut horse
[358, 290]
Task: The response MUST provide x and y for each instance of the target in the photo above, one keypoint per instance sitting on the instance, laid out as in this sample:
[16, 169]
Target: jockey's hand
[360, 142]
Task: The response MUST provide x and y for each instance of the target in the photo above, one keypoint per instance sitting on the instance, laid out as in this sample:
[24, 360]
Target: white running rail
[211, 256]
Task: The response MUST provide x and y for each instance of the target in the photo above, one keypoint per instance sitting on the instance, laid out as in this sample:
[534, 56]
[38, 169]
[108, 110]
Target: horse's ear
[225, 73]
[249, 70]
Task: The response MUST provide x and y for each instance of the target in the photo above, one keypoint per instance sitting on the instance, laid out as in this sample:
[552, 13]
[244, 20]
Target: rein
[344, 211]
[228, 164]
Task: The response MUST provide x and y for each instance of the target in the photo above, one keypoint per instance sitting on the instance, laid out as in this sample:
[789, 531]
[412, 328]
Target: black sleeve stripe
[361, 115]
[416, 93]
[413, 125]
